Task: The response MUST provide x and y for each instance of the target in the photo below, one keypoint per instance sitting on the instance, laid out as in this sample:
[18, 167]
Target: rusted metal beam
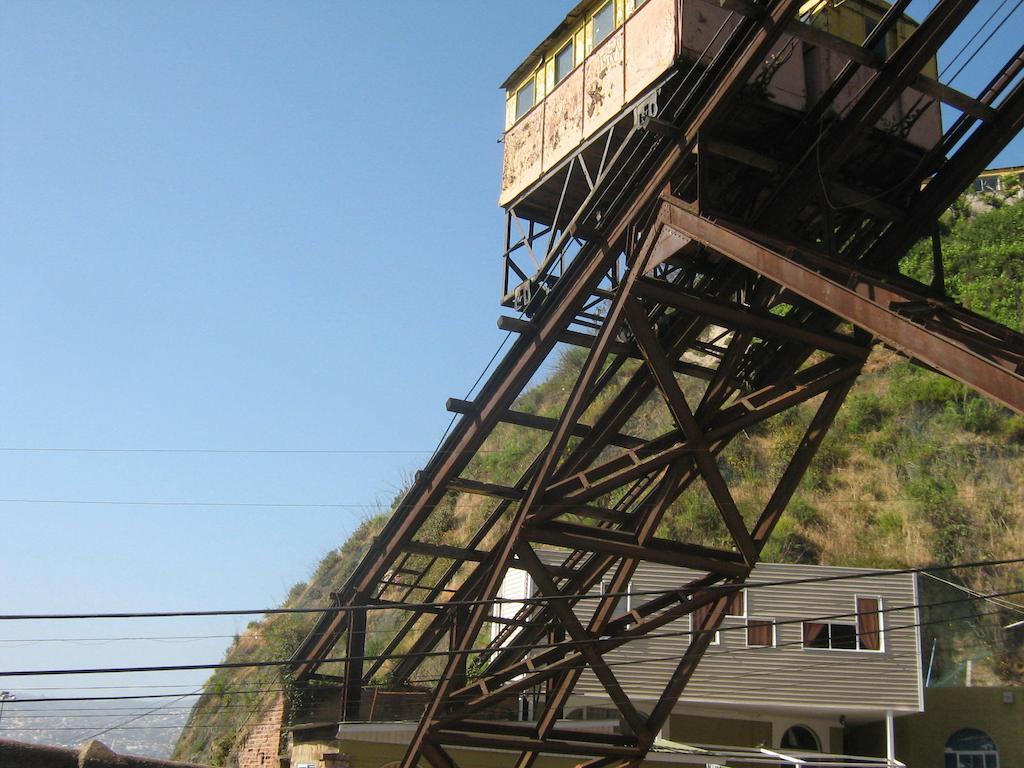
[481, 488]
[355, 652]
[841, 193]
[654, 354]
[444, 550]
[656, 551]
[746, 411]
[586, 340]
[864, 56]
[865, 303]
[543, 423]
[576, 631]
[746, 318]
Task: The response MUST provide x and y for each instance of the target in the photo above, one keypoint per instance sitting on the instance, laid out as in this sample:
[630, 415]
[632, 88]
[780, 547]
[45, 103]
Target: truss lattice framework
[732, 290]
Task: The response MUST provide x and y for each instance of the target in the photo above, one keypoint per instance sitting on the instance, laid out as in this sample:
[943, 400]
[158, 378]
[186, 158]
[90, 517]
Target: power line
[244, 504]
[996, 601]
[133, 697]
[784, 667]
[239, 451]
[890, 501]
[499, 600]
[427, 654]
[130, 720]
[20, 641]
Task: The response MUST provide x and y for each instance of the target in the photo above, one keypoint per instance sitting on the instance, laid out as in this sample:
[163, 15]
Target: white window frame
[716, 640]
[746, 609]
[592, 23]
[856, 633]
[532, 81]
[571, 45]
[881, 622]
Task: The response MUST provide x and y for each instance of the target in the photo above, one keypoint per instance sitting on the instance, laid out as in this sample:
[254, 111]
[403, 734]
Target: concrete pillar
[890, 739]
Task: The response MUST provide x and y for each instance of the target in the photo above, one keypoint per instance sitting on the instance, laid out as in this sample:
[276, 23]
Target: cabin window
[564, 61]
[603, 22]
[760, 633]
[525, 97]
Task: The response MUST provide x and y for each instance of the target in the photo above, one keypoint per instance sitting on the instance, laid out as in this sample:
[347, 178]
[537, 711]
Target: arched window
[800, 737]
[971, 748]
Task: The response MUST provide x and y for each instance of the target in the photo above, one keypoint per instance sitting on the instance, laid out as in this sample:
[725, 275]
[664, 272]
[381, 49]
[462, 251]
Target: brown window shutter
[869, 633]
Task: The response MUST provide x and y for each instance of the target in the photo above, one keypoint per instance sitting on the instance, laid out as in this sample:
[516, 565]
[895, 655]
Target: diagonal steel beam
[866, 303]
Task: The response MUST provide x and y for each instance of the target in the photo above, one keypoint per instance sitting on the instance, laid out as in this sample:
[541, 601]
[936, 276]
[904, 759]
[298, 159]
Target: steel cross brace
[598, 489]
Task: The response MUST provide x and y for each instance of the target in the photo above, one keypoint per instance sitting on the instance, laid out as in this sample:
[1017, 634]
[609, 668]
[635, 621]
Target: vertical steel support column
[355, 651]
[459, 620]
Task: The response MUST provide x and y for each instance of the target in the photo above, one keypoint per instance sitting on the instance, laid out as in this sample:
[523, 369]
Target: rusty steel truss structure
[722, 278]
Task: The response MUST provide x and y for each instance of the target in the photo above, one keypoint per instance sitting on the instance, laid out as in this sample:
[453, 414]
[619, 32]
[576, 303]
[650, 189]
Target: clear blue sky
[234, 225]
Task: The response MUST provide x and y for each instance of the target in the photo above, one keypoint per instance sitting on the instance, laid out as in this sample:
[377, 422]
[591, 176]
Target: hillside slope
[917, 470]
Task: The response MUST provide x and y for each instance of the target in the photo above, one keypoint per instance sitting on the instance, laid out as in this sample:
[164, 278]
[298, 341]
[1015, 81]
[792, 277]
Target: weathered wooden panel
[783, 75]
[604, 82]
[650, 45]
[928, 128]
[701, 22]
[563, 118]
[523, 155]
[822, 68]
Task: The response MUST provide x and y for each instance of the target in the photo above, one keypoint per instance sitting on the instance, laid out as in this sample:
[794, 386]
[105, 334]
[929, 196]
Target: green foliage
[221, 750]
[864, 412]
[984, 263]
[805, 514]
[788, 545]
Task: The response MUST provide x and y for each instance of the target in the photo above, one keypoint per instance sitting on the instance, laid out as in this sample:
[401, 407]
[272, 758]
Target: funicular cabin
[612, 65]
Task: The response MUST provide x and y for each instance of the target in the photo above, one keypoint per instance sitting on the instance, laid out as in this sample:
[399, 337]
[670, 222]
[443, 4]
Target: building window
[837, 637]
[623, 605]
[971, 748]
[737, 605]
[986, 184]
[800, 737]
[603, 22]
[525, 98]
[564, 62]
[865, 635]
[869, 624]
[760, 633]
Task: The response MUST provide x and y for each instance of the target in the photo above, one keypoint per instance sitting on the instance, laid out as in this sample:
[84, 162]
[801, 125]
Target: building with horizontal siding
[805, 653]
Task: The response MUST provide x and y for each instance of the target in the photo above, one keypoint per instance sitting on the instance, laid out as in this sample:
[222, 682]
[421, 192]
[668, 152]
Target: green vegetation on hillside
[917, 470]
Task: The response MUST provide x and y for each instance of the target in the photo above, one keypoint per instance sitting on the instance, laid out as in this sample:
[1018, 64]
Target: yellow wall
[583, 44]
[692, 729]
[921, 739]
[847, 20]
